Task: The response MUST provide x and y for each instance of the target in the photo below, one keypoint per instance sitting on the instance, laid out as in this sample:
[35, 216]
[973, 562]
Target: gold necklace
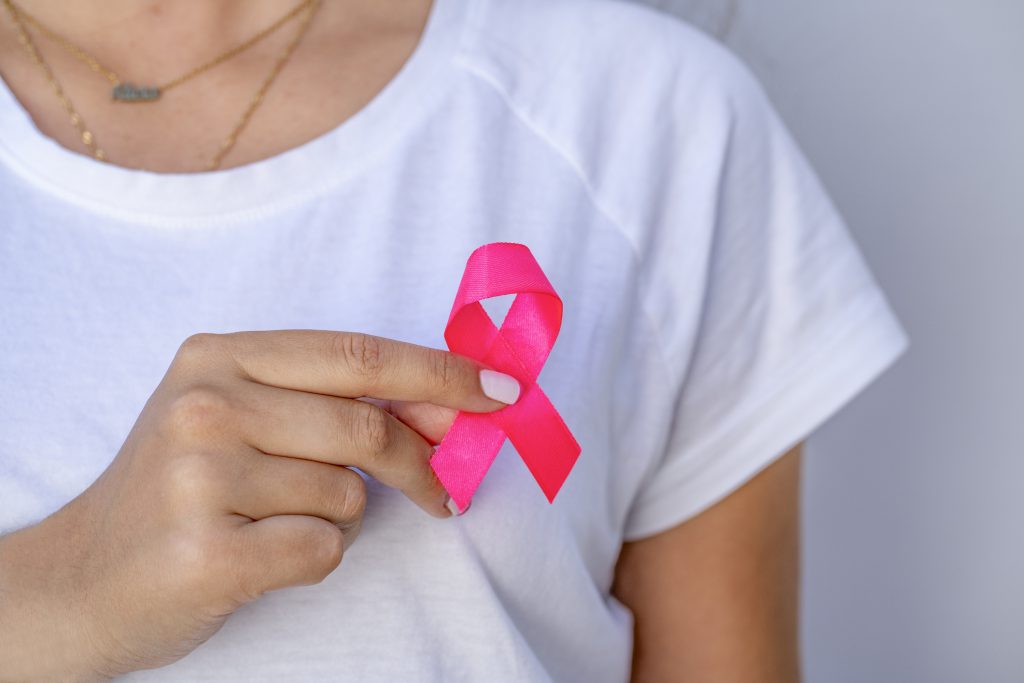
[128, 92]
[89, 140]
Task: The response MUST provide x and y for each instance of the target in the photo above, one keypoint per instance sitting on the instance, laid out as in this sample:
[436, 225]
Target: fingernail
[454, 509]
[499, 386]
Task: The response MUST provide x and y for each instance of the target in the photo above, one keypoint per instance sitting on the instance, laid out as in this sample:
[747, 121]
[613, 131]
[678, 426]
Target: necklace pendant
[128, 92]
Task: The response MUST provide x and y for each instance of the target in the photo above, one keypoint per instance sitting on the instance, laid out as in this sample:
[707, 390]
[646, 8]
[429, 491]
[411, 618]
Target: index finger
[354, 365]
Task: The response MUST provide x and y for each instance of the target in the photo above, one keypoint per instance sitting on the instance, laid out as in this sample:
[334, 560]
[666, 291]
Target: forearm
[42, 638]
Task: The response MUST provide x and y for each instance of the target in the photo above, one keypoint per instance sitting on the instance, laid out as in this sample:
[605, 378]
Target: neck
[149, 29]
[161, 35]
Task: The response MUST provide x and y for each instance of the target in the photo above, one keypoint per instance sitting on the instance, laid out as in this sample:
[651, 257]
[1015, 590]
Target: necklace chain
[76, 120]
[19, 17]
[112, 76]
[257, 99]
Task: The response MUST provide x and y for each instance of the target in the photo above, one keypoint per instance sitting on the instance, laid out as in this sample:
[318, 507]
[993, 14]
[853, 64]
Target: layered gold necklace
[122, 91]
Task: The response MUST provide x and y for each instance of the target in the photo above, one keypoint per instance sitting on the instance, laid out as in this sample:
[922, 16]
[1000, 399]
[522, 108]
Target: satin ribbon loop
[520, 347]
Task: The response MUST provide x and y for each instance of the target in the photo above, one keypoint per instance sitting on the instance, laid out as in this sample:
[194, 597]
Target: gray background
[913, 114]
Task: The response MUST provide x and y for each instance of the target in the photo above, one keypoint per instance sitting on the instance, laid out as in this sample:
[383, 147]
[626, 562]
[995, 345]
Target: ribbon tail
[542, 439]
[465, 454]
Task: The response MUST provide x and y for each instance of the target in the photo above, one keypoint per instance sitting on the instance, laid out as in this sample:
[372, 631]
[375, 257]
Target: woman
[204, 270]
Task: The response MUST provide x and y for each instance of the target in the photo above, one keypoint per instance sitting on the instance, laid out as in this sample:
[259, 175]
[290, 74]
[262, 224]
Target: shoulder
[648, 109]
[618, 52]
[637, 100]
[584, 27]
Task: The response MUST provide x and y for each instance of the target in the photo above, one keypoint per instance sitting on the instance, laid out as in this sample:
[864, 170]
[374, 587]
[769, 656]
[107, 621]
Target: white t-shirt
[716, 312]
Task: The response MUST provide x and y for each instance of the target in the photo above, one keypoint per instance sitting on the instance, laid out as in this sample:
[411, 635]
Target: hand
[430, 421]
[232, 482]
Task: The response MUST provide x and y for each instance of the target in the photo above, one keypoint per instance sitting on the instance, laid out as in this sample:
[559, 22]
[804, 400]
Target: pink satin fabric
[519, 348]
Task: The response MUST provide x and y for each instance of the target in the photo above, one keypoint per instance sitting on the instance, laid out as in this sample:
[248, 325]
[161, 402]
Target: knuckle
[329, 547]
[361, 355]
[190, 477]
[349, 499]
[351, 532]
[446, 372]
[321, 547]
[197, 347]
[199, 411]
[340, 497]
[373, 430]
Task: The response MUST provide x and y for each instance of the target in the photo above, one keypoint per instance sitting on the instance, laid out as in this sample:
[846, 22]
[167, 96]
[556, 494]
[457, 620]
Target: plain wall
[913, 114]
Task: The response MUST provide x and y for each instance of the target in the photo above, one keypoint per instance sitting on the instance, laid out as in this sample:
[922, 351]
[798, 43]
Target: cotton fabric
[717, 310]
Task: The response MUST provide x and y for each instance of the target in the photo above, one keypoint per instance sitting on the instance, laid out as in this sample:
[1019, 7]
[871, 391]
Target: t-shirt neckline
[285, 177]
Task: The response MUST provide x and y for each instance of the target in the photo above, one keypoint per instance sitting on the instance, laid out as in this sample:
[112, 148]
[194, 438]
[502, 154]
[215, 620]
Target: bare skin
[234, 481]
[714, 599]
[351, 50]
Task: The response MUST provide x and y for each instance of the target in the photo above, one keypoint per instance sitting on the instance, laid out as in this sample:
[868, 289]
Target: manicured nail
[499, 386]
[450, 504]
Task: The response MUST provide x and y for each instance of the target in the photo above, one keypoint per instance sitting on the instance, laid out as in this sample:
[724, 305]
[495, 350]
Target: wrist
[42, 628]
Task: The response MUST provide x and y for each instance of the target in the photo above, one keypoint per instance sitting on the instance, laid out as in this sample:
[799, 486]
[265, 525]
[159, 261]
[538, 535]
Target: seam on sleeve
[678, 375]
[801, 397]
[577, 168]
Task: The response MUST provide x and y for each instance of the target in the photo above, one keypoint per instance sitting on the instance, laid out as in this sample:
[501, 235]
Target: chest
[93, 318]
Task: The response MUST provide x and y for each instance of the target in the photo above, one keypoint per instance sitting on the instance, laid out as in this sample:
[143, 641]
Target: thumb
[428, 420]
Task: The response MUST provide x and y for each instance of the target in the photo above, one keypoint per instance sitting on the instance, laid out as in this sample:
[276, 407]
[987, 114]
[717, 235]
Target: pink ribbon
[519, 348]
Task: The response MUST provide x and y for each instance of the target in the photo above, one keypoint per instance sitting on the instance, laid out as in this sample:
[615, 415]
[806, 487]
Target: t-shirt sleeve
[791, 323]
